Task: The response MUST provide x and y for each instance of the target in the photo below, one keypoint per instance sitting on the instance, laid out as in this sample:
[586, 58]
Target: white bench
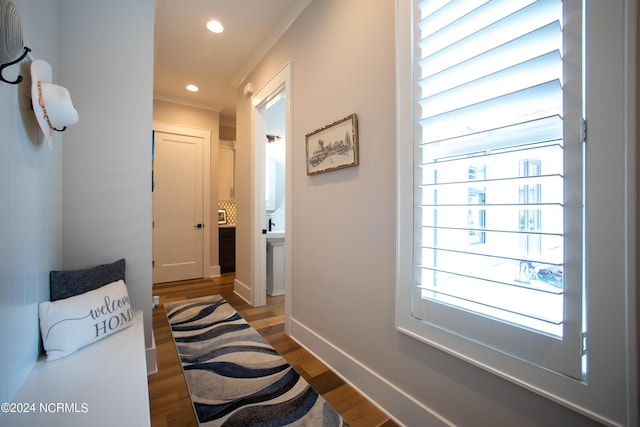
[104, 384]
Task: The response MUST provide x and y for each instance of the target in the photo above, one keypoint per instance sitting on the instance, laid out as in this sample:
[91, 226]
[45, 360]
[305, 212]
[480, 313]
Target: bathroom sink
[272, 235]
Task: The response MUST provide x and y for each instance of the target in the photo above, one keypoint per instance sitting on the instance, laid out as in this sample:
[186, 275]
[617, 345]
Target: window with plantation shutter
[495, 116]
[514, 222]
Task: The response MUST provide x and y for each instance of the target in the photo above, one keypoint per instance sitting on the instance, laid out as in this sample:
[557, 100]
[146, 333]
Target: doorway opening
[271, 117]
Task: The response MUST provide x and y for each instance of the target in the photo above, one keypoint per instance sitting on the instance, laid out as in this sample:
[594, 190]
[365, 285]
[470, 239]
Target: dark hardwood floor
[168, 395]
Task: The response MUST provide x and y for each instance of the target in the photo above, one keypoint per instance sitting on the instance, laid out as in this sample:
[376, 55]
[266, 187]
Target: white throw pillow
[69, 324]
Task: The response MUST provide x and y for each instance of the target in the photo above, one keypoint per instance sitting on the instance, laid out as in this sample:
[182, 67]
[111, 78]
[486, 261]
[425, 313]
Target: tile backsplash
[230, 207]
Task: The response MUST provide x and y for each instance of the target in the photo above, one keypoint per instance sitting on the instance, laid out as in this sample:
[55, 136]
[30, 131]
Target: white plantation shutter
[498, 176]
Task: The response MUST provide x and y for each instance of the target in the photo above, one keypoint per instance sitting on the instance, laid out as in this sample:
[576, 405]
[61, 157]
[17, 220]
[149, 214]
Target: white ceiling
[186, 52]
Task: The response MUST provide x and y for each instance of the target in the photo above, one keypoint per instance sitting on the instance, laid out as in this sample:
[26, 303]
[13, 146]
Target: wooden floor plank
[169, 400]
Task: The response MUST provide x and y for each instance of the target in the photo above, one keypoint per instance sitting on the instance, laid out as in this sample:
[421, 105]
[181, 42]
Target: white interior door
[178, 207]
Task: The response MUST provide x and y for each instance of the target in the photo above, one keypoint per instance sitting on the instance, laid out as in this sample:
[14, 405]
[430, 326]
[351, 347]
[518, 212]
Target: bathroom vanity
[275, 263]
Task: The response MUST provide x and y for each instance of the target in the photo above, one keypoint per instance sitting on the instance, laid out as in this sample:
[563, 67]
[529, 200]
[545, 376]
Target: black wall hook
[3, 66]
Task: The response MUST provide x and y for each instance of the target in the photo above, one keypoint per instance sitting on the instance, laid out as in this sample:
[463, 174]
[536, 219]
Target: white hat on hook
[51, 103]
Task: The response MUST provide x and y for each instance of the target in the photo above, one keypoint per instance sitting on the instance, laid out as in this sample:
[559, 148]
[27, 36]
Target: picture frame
[333, 147]
[222, 216]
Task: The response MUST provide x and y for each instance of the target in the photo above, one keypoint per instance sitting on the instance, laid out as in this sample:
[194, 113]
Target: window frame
[610, 394]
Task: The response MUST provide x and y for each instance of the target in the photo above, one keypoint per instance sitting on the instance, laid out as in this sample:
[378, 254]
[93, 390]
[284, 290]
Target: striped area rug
[235, 377]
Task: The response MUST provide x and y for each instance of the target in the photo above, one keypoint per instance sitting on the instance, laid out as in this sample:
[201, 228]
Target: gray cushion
[68, 283]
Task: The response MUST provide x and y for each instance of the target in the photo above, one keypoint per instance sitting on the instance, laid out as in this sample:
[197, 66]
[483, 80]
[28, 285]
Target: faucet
[271, 224]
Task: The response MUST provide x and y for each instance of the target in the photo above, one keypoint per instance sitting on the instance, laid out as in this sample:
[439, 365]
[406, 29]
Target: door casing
[281, 82]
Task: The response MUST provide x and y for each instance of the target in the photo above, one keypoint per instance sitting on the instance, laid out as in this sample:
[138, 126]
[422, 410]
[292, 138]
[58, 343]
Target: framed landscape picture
[334, 146]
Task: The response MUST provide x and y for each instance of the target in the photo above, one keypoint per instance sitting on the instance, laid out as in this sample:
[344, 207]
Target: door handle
[198, 226]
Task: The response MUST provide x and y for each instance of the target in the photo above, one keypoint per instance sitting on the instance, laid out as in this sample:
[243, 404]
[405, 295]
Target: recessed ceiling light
[192, 88]
[215, 26]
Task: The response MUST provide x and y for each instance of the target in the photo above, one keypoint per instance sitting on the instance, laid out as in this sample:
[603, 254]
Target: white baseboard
[152, 363]
[242, 290]
[397, 404]
[214, 271]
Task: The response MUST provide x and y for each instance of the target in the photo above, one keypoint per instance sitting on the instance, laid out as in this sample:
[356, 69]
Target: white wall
[343, 287]
[30, 189]
[106, 62]
[88, 200]
[275, 122]
[103, 164]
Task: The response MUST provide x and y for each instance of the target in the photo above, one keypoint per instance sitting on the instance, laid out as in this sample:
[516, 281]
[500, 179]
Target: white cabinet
[226, 172]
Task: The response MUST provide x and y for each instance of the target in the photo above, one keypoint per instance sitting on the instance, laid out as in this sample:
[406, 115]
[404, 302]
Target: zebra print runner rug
[235, 377]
